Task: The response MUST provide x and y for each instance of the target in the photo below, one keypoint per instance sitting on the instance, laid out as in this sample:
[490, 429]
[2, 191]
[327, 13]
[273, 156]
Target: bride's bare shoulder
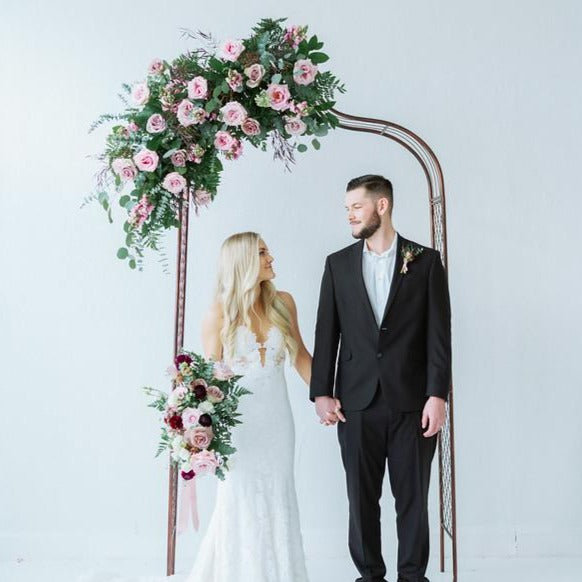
[287, 298]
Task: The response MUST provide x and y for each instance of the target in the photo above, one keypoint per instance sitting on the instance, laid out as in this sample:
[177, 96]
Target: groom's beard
[370, 227]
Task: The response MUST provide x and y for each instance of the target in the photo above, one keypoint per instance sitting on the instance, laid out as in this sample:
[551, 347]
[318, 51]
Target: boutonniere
[409, 253]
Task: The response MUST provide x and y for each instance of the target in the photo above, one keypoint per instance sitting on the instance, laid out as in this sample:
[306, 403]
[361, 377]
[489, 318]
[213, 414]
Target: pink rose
[198, 88]
[233, 113]
[222, 371]
[190, 417]
[140, 212]
[295, 126]
[304, 72]
[124, 168]
[223, 140]
[178, 158]
[174, 183]
[140, 93]
[146, 160]
[156, 123]
[255, 73]
[214, 394]
[199, 437]
[204, 462]
[156, 67]
[132, 127]
[234, 80]
[190, 115]
[278, 96]
[251, 126]
[230, 50]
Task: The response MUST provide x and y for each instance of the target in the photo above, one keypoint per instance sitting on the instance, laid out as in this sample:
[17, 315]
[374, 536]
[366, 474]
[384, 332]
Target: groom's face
[362, 213]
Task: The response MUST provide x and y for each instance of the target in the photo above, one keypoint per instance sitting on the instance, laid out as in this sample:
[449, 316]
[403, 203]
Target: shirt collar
[386, 253]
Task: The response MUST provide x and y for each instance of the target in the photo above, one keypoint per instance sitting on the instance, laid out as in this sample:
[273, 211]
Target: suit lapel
[396, 275]
[357, 269]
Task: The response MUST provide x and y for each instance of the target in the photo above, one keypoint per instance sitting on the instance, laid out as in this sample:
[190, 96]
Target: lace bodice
[247, 353]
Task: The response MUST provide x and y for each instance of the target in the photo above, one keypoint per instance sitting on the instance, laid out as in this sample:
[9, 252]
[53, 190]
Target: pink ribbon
[188, 506]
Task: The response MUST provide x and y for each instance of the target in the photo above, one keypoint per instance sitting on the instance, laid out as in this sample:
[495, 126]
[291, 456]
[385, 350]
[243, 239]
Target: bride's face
[265, 263]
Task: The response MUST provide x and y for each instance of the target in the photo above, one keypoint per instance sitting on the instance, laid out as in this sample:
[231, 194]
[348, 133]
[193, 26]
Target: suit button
[379, 355]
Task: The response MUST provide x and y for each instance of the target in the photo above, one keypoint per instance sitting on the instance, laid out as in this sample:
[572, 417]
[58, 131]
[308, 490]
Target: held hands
[329, 410]
[433, 416]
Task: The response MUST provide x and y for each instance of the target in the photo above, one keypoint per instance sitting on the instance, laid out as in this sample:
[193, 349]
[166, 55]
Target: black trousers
[367, 439]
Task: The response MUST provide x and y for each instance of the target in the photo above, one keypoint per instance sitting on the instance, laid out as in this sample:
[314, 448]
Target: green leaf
[217, 91]
[276, 78]
[124, 200]
[316, 143]
[122, 253]
[155, 142]
[132, 263]
[301, 148]
[318, 58]
[211, 105]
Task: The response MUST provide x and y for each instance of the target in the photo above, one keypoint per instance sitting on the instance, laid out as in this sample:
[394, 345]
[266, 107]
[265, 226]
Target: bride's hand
[329, 410]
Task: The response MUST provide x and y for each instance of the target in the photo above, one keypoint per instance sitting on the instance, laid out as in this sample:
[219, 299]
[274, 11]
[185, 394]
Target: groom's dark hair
[376, 187]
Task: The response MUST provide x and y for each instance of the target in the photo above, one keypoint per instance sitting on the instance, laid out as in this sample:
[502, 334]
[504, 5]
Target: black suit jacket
[409, 354]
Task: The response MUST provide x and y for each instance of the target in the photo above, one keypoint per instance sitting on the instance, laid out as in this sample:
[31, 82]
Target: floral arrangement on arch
[190, 114]
[199, 415]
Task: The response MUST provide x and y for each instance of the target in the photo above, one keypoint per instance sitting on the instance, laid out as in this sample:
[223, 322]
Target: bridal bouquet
[198, 415]
[188, 115]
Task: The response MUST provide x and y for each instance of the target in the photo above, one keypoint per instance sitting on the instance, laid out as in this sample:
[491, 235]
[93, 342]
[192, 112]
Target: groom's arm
[438, 331]
[326, 339]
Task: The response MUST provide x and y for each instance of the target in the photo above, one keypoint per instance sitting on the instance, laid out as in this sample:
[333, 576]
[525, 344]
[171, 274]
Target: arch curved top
[425, 157]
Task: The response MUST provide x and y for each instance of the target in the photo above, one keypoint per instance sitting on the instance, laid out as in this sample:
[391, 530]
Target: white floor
[470, 570]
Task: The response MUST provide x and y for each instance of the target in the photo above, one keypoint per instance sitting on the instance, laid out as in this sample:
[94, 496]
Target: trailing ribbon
[188, 506]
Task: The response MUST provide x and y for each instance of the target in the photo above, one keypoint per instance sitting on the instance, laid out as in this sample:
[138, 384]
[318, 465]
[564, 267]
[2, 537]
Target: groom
[385, 301]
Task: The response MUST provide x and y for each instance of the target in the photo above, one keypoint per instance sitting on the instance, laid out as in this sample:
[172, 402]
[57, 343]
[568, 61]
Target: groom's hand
[329, 410]
[433, 415]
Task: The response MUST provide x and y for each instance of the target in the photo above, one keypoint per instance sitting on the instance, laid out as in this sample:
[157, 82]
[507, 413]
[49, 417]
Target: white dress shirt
[377, 271]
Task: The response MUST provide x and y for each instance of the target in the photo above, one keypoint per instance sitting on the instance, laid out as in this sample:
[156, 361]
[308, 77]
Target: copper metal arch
[436, 197]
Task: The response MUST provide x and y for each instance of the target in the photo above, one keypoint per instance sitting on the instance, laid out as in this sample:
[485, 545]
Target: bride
[254, 533]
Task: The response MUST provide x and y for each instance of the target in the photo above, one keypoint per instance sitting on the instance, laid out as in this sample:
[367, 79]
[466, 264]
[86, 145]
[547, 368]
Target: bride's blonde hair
[238, 272]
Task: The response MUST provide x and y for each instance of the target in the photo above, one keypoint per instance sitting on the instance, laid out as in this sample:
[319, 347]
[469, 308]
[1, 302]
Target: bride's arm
[211, 333]
[303, 359]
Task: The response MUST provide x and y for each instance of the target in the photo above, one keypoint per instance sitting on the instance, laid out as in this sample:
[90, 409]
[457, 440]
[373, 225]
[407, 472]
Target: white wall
[493, 87]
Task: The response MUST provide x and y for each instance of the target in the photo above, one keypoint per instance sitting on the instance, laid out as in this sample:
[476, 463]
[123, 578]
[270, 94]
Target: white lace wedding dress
[254, 533]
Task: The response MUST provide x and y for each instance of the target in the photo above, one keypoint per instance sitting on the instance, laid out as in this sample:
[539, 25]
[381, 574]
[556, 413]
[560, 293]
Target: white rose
[206, 406]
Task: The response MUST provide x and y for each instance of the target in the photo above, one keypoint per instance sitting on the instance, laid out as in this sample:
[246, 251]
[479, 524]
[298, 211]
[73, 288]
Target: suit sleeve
[327, 336]
[438, 331]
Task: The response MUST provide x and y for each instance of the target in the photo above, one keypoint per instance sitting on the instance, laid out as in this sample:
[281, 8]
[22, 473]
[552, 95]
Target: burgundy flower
[205, 420]
[187, 475]
[176, 422]
[182, 358]
[200, 392]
